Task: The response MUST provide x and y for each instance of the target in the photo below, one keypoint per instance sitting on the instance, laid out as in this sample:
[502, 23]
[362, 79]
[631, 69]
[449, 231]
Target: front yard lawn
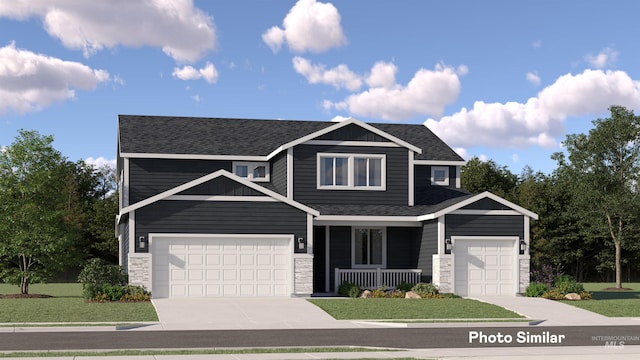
[67, 306]
[612, 303]
[407, 309]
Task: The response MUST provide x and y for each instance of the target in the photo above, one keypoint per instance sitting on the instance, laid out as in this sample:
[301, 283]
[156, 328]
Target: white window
[351, 171]
[369, 248]
[440, 175]
[254, 171]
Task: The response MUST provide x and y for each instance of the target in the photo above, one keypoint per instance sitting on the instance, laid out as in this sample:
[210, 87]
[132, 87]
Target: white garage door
[215, 266]
[484, 267]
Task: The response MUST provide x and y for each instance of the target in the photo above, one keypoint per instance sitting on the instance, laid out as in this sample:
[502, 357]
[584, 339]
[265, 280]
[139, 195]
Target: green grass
[612, 303]
[122, 353]
[68, 306]
[377, 309]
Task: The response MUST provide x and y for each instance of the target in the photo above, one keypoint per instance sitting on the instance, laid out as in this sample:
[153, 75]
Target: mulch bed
[617, 289]
[24, 296]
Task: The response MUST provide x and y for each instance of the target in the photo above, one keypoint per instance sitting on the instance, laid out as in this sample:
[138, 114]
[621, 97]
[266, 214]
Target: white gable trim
[440, 162]
[192, 157]
[339, 125]
[471, 200]
[166, 194]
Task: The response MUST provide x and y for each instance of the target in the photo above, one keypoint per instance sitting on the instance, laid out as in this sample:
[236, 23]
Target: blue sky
[502, 80]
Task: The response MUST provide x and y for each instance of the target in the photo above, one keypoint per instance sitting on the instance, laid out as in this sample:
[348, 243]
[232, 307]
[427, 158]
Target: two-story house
[240, 207]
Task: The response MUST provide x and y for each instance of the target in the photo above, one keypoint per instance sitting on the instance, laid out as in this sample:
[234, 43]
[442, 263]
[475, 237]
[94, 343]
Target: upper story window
[254, 171]
[440, 175]
[351, 171]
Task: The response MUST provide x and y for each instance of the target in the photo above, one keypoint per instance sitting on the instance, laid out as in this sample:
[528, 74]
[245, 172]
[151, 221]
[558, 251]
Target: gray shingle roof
[247, 137]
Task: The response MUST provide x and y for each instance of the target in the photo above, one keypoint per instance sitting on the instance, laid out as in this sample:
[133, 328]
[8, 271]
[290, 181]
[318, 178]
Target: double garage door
[220, 265]
[485, 267]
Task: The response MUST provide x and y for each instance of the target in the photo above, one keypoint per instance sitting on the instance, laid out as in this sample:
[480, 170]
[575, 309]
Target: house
[239, 207]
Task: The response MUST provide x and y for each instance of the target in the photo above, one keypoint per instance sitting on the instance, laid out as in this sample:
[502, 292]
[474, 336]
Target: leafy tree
[478, 176]
[605, 165]
[39, 221]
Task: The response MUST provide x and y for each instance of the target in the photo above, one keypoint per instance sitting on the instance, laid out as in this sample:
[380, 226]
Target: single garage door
[484, 267]
[217, 266]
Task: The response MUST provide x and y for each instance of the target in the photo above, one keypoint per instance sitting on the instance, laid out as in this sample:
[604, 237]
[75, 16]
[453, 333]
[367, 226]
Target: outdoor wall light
[142, 243]
[523, 246]
[448, 245]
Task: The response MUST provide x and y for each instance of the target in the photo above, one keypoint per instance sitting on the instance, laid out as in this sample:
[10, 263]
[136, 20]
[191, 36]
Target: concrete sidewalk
[554, 313]
[538, 353]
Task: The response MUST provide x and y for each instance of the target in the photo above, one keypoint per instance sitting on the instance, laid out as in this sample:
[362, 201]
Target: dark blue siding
[212, 217]
[149, 177]
[403, 247]
[422, 176]
[305, 179]
[279, 173]
[484, 225]
[428, 247]
[486, 204]
[221, 186]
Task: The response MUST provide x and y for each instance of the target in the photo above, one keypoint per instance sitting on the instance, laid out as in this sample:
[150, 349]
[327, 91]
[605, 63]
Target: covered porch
[377, 278]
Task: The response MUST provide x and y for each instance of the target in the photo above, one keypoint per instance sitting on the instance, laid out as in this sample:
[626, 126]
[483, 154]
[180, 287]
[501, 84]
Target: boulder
[366, 294]
[572, 296]
[412, 295]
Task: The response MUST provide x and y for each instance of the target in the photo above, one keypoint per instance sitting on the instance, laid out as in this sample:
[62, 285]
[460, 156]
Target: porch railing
[375, 278]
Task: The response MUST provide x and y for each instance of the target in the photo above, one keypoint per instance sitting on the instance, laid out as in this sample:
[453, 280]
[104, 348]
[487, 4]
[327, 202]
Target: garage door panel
[221, 266]
[484, 267]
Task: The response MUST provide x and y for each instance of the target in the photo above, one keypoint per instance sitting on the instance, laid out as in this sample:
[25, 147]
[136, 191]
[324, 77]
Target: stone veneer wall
[442, 275]
[140, 270]
[524, 272]
[302, 274]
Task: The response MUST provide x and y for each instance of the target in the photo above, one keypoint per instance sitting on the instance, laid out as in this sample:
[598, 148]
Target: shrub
[397, 294]
[536, 289]
[546, 274]
[405, 286]
[585, 295]
[98, 272]
[349, 289]
[553, 294]
[379, 293]
[426, 290]
[566, 284]
[135, 293]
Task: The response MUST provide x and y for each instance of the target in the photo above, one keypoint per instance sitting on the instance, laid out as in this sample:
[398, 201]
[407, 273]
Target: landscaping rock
[366, 294]
[412, 295]
[572, 296]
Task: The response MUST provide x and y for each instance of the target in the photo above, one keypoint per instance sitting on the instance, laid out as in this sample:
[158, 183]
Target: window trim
[354, 229]
[351, 172]
[446, 175]
[251, 165]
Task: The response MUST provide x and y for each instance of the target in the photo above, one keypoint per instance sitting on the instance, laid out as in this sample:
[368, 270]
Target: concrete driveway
[244, 313]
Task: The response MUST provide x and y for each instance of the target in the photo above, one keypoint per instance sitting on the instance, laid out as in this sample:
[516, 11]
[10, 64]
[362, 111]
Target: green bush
[566, 284]
[536, 289]
[405, 286]
[379, 293]
[98, 272]
[426, 290]
[349, 289]
[128, 293]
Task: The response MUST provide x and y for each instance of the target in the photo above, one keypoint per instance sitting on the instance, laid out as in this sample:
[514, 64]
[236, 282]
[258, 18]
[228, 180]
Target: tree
[606, 166]
[478, 176]
[39, 221]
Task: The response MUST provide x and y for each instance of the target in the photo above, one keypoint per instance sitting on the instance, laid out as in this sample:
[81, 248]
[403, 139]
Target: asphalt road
[407, 338]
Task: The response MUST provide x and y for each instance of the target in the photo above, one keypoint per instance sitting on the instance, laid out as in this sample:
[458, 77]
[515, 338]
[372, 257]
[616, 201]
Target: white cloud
[101, 162]
[339, 118]
[196, 98]
[181, 30]
[483, 157]
[533, 78]
[604, 58]
[537, 44]
[539, 121]
[338, 77]
[462, 152]
[427, 93]
[309, 26]
[515, 158]
[30, 81]
[382, 75]
[208, 73]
